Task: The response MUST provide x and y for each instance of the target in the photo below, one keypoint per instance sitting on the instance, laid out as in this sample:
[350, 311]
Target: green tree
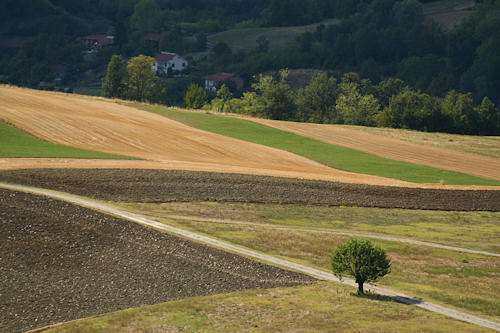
[142, 84]
[195, 97]
[113, 83]
[408, 13]
[276, 97]
[356, 108]
[221, 103]
[362, 260]
[489, 118]
[459, 108]
[146, 17]
[413, 110]
[316, 103]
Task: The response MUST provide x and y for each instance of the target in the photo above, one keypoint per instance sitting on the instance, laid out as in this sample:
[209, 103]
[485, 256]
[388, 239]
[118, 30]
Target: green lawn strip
[15, 143]
[328, 154]
[320, 307]
[466, 282]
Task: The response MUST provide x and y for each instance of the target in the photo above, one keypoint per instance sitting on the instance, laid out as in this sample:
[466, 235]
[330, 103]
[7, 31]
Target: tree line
[356, 101]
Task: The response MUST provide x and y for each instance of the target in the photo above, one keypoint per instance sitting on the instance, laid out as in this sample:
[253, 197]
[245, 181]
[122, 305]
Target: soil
[60, 262]
[137, 185]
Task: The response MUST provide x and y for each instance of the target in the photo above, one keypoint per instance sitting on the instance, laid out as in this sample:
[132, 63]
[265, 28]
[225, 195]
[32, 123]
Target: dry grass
[464, 281]
[320, 307]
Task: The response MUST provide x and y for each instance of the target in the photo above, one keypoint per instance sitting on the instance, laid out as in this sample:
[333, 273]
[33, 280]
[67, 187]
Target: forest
[382, 43]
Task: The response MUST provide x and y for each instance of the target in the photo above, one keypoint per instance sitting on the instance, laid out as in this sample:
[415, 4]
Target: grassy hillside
[447, 277]
[17, 143]
[331, 155]
[322, 307]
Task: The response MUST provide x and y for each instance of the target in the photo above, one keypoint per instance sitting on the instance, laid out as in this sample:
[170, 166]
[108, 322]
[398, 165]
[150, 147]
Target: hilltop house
[167, 62]
[214, 80]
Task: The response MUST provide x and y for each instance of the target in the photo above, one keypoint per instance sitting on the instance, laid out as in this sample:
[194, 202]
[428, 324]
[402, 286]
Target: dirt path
[472, 164]
[333, 231]
[252, 254]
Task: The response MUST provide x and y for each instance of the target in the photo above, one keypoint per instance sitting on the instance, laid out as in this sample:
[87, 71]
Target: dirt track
[60, 262]
[472, 164]
[134, 185]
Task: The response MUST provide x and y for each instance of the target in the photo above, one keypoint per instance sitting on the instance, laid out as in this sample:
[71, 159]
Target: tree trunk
[360, 288]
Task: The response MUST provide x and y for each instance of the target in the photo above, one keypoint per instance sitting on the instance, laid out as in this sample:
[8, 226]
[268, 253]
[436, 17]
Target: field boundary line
[319, 274]
[335, 232]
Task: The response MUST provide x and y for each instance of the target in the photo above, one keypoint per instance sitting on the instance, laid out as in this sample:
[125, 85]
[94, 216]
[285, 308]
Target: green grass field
[327, 154]
[17, 143]
[321, 307]
[461, 280]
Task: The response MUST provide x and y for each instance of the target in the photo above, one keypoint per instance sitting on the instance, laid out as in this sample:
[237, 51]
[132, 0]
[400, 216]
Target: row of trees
[356, 101]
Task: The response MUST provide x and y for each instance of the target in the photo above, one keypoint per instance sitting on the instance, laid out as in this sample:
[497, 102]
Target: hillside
[103, 125]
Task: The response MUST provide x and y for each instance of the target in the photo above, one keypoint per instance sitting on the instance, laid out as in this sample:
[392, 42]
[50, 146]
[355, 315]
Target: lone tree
[362, 260]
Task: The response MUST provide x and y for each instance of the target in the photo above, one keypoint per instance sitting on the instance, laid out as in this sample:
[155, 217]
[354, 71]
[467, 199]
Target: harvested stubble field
[60, 262]
[136, 185]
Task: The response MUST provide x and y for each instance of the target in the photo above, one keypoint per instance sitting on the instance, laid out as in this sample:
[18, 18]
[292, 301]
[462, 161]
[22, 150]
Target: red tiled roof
[164, 57]
[101, 39]
[219, 77]
[155, 37]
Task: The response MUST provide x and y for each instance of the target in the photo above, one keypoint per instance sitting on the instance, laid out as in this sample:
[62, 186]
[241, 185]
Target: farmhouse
[212, 81]
[167, 62]
[97, 42]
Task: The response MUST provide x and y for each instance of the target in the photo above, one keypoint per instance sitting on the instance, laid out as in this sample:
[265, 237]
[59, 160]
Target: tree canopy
[361, 260]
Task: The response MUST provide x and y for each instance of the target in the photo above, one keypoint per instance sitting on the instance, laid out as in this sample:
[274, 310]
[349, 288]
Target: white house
[212, 81]
[167, 62]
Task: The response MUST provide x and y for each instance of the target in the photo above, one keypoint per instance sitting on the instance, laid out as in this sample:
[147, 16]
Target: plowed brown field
[472, 164]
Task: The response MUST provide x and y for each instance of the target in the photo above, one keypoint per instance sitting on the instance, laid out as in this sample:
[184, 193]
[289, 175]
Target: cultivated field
[61, 262]
[236, 201]
[166, 186]
[394, 148]
[109, 127]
